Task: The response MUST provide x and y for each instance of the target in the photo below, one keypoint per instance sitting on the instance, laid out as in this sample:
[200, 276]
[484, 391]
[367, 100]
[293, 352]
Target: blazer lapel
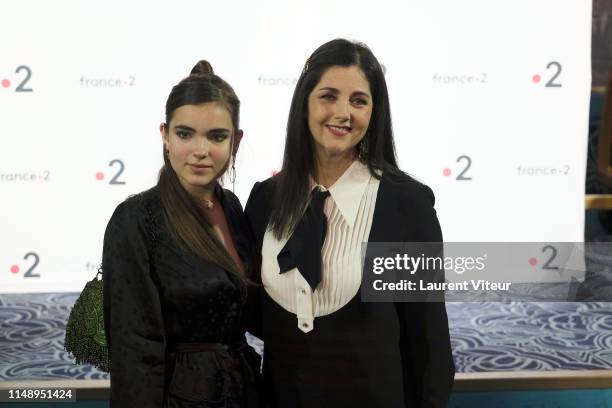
[387, 223]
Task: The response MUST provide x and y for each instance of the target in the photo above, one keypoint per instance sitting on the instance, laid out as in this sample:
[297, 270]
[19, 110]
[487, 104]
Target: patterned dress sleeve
[132, 312]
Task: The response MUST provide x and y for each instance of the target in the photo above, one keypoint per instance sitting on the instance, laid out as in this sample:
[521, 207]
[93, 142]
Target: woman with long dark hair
[340, 186]
[176, 265]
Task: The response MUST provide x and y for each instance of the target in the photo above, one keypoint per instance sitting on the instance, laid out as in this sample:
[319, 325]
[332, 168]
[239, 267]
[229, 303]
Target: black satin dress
[174, 322]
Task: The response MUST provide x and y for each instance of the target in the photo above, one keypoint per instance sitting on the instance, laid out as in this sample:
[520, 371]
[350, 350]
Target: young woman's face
[339, 111]
[199, 142]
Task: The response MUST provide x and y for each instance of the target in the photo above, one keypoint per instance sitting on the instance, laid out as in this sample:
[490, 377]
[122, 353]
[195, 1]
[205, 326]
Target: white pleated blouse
[349, 211]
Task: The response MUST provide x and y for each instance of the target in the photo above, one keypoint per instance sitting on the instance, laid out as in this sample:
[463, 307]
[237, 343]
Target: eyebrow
[356, 93]
[219, 130]
[183, 127]
[190, 129]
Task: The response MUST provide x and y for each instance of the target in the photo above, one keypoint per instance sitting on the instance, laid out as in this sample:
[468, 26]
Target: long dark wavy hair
[291, 184]
[181, 211]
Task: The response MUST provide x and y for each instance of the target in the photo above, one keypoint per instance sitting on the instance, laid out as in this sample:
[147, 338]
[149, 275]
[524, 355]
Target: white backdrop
[489, 102]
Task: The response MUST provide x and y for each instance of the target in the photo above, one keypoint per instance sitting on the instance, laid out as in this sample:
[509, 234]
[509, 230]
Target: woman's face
[339, 111]
[199, 142]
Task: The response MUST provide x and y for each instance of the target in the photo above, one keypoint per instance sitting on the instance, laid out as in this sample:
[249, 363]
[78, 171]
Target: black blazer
[403, 213]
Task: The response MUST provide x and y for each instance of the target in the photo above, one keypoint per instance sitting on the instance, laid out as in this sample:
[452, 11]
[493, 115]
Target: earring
[232, 172]
[166, 151]
[363, 149]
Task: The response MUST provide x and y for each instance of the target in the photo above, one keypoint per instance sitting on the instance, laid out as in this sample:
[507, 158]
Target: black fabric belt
[198, 347]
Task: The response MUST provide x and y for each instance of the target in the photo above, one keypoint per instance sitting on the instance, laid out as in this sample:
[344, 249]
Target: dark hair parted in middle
[299, 161]
[203, 86]
[181, 210]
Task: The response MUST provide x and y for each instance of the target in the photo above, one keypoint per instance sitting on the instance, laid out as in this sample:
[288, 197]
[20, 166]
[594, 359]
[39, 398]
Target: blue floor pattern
[485, 336]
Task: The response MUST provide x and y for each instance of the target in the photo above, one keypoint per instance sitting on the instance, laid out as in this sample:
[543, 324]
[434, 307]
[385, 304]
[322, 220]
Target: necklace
[208, 204]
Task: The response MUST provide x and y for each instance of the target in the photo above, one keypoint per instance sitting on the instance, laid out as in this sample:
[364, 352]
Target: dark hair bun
[202, 67]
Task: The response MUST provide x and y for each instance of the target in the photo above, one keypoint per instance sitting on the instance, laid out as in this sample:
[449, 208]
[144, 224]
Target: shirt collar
[348, 190]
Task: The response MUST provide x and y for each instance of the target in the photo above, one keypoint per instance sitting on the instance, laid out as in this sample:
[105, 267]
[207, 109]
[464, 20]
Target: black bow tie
[303, 249]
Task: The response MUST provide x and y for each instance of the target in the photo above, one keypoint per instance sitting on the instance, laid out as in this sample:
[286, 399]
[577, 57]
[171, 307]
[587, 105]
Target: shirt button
[305, 325]
[303, 291]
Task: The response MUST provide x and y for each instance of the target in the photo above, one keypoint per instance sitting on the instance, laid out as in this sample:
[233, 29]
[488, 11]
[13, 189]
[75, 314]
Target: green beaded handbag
[85, 336]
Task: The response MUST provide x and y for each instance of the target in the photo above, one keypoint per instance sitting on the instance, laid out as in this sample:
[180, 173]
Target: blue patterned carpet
[32, 328]
[485, 337]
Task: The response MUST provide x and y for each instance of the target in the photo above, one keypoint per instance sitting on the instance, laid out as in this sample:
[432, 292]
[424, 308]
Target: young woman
[340, 186]
[176, 266]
